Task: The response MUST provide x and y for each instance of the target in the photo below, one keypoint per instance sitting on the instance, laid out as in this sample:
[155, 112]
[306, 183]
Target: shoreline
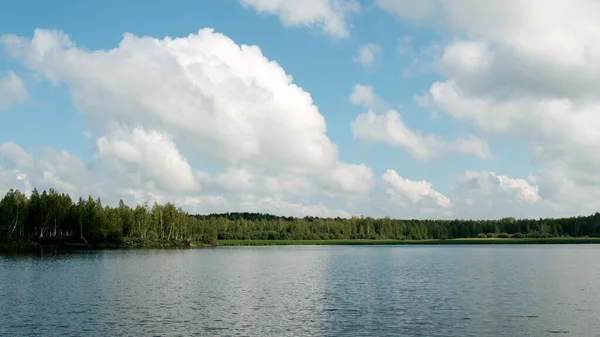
[186, 244]
[467, 241]
[102, 245]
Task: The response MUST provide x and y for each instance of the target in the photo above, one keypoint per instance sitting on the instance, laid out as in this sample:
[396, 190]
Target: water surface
[496, 290]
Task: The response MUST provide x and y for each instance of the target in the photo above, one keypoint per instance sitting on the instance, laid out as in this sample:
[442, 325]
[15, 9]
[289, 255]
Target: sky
[431, 109]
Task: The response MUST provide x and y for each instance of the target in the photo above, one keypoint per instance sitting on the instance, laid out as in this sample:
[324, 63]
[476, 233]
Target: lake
[479, 290]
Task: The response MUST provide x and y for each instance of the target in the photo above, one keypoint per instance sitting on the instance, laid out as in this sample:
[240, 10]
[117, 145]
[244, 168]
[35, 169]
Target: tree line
[52, 215]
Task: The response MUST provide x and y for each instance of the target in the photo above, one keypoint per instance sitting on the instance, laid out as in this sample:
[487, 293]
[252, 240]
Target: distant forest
[53, 215]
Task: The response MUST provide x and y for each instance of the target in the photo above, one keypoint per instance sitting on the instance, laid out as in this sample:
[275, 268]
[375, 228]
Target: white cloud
[363, 95]
[282, 207]
[483, 183]
[229, 102]
[62, 171]
[408, 8]
[425, 102]
[13, 179]
[515, 47]
[391, 129]
[342, 179]
[16, 155]
[59, 170]
[356, 179]
[477, 195]
[484, 195]
[234, 179]
[248, 181]
[68, 173]
[422, 100]
[564, 192]
[557, 131]
[227, 105]
[206, 203]
[467, 56]
[404, 190]
[367, 53]
[149, 153]
[329, 15]
[266, 144]
[12, 90]
[529, 73]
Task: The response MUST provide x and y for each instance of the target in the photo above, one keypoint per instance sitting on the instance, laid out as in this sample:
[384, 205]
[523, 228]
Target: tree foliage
[51, 214]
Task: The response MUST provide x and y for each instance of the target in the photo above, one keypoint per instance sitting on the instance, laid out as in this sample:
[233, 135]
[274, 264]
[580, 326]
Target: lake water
[512, 290]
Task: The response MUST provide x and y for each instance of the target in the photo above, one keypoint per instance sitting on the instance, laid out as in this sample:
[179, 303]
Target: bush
[226, 236]
[102, 234]
[285, 236]
[517, 236]
[114, 235]
[503, 235]
[206, 238]
[152, 236]
[312, 236]
[490, 235]
[324, 236]
[272, 235]
[481, 236]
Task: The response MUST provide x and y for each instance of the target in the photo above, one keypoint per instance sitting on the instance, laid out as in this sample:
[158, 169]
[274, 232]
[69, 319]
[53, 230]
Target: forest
[50, 215]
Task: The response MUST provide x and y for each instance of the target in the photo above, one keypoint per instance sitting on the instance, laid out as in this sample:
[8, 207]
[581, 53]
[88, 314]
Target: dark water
[538, 290]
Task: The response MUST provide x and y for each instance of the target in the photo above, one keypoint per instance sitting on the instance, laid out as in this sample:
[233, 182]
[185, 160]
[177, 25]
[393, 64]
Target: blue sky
[323, 65]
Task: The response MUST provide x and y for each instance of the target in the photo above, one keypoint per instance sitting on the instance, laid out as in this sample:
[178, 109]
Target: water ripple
[304, 291]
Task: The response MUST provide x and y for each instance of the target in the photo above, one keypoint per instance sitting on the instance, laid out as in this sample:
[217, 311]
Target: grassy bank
[114, 244]
[171, 244]
[410, 242]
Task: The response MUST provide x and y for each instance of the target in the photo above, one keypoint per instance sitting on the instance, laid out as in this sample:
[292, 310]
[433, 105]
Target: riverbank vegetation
[469, 241]
[52, 218]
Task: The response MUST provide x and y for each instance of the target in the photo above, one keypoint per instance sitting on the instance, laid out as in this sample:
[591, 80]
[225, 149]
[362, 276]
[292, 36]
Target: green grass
[114, 244]
[408, 242]
[186, 244]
